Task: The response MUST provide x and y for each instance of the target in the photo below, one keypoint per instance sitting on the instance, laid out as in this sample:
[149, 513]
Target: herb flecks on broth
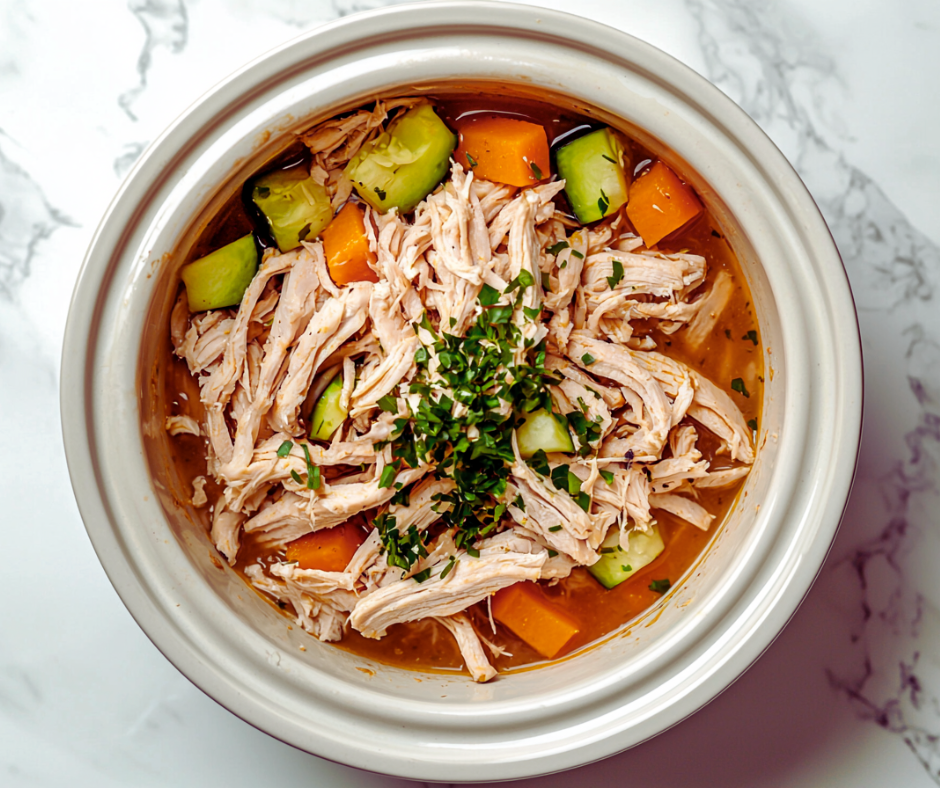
[439, 399]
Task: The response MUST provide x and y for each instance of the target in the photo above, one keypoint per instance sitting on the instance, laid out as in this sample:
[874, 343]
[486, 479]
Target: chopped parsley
[389, 472]
[576, 253]
[613, 281]
[524, 280]
[313, 472]
[473, 162]
[608, 477]
[626, 568]
[481, 372]
[380, 193]
[488, 296]
[284, 449]
[531, 313]
[555, 528]
[450, 565]
[603, 203]
[752, 423]
[296, 476]
[388, 403]
[588, 359]
[660, 586]
[738, 385]
[751, 335]
[554, 249]
[536, 170]
[304, 232]
[421, 576]
[403, 549]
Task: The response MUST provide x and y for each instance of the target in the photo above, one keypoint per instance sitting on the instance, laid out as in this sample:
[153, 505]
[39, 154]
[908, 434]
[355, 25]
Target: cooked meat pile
[489, 303]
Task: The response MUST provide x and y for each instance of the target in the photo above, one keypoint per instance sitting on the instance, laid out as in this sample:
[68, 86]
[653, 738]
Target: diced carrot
[524, 609]
[347, 247]
[329, 550]
[505, 150]
[660, 204]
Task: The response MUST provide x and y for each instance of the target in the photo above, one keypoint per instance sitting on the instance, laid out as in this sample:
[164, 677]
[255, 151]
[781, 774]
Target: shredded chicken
[586, 315]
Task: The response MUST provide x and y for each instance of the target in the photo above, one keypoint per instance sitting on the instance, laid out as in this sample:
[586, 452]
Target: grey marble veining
[776, 71]
[26, 219]
[166, 25]
[849, 694]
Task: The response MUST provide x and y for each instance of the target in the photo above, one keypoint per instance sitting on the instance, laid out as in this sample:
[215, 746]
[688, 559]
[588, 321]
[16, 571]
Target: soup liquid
[733, 351]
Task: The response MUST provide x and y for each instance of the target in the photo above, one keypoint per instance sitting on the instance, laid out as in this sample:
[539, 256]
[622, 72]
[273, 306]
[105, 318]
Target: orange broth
[731, 352]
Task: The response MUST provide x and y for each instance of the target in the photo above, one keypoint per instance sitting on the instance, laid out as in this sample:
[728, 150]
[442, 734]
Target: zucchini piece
[401, 166]
[545, 431]
[296, 206]
[221, 278]
[327, 413]
[617, 565]
[595, 179]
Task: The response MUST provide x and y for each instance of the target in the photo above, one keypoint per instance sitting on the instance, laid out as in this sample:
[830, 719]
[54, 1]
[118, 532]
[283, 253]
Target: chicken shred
[577, 293]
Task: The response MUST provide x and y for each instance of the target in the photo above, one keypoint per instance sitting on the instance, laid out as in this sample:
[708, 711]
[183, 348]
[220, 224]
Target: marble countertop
[849, 694]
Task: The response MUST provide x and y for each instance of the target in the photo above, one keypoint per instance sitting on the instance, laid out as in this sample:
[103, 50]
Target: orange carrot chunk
[524, 609]
[505, 150]
[347, 247]
[660, 204]
[329, 550]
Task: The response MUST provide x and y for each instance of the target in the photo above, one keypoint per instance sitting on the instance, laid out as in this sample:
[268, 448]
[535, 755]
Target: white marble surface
[850, 692]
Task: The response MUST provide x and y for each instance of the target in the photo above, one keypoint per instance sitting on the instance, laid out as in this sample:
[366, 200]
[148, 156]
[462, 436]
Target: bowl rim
[84, 323]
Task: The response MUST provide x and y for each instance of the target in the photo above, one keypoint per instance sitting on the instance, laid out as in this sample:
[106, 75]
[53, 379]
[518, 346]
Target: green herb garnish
[388, 403]
[471, 160]
[389, 472]
[284, 449]
[752, 423]
[660, 586]
[524, 280]
[536, 170]
[313, 472]
[738, 385]
[588, 359]
[613, 281]
[752, 335]
[449, 567]
[554, 249]
[488, 296]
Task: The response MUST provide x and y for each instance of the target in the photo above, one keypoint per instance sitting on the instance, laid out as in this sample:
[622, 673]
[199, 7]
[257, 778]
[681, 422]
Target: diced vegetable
[660, 204]
[327, 413]
[505, 150]
[329, 550]
[616, 565]
[347, 247]
[524, 609]
[595, 178]
[221, 278]
[545, 431]
[296, 206]
[401, 166]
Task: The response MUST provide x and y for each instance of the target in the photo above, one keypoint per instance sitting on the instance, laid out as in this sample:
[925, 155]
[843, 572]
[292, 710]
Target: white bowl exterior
[704, 633]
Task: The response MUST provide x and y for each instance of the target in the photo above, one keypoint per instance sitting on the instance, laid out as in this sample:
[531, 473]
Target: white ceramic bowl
[701, 636]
